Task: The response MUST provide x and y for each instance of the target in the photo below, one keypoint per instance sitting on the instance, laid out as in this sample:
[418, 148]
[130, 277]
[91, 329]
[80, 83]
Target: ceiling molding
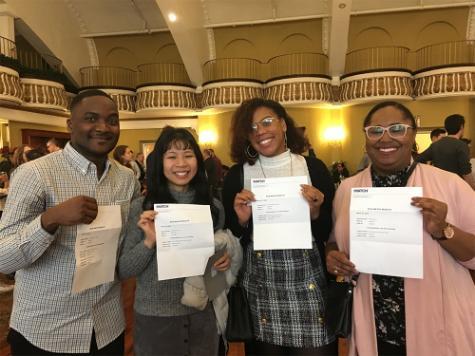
[470, 36]
[189, 33]
[259, 22]
[412, 8]
[124, 33]
[339, 28]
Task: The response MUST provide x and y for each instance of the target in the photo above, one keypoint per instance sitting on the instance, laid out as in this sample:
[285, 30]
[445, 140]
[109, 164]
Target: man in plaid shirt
[48, 198]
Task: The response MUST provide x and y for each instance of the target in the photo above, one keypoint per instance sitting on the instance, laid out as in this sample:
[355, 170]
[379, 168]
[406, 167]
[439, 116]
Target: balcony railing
[374, 58]
[40, 62]
[160, 73]
[8, 47]
[232, 68]
[445, 54]
[108, 77]
[297, 64]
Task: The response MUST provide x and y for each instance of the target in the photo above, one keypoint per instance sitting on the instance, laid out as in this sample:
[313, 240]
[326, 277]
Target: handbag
[239, 323]
[339, 306]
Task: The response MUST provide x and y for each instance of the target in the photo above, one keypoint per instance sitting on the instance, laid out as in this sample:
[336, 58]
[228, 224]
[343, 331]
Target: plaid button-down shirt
[45, 311]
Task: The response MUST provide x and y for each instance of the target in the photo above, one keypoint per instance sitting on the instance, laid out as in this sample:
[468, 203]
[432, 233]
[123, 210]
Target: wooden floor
[128, 290]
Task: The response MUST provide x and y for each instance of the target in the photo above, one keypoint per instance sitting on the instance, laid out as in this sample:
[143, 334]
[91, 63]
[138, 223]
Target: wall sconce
[208, 138]
[334, 135]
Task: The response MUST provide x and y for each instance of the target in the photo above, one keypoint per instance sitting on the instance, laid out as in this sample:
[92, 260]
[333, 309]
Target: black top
[213, 171]
[449, 154]
[321, 179]
[388, 291]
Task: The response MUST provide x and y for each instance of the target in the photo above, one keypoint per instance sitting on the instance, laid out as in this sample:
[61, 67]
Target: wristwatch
[447, 233]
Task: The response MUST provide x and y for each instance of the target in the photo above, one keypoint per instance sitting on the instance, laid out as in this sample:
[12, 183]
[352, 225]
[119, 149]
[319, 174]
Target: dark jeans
[258, 348]
[21, 346]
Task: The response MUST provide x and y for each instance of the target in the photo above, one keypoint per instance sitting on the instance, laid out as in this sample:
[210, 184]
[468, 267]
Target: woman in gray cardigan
[163, 324]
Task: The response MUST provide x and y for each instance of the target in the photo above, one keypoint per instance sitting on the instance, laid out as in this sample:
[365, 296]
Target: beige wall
[220, 125]
[315, 120]
[133, 138]
[413, 30]
[263, 42]
[409, 29]
[130, 51]
[15, 128]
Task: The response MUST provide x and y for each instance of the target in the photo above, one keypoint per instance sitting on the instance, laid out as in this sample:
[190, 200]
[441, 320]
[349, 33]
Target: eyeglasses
[394, 131]
[265, 122]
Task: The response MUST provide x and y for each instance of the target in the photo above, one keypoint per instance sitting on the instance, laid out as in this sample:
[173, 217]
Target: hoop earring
[285, 140]
[248, 152]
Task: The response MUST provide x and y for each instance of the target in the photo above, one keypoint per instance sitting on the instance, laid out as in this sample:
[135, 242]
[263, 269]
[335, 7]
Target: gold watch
[447, 233]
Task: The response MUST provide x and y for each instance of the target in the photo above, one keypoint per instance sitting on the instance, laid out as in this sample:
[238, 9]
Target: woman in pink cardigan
[433, 316]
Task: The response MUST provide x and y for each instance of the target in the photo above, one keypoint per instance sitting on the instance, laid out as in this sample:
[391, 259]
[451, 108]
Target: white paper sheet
[96, 249]
[281, 215]
[185, 239]
[386, 231]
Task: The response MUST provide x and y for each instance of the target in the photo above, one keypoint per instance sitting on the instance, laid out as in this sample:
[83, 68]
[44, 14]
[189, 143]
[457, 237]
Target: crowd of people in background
[285, 288]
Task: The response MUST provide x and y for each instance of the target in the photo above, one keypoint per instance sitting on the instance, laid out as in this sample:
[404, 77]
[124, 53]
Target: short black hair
[453, 123]
[86, 94]
[437, 133]
[404, 110]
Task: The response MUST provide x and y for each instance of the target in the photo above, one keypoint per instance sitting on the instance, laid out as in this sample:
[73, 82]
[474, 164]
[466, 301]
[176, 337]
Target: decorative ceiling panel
[117, 16]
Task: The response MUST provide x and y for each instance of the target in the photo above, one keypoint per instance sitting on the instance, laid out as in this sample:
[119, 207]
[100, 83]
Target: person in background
[19, 156]
[225, 169]
[285, 288]
[432, 316]
[166, 322]
[123, 154]
[311, 151]
[437, 134]
[33, 154]
[468, 142]
[339, 172]
[48, 198]
[6, 164]
[214, 171]
[450, 153]
[53, 145]
[139, 159]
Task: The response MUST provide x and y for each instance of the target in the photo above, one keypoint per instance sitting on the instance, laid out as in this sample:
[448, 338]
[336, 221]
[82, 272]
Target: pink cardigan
[440, 309]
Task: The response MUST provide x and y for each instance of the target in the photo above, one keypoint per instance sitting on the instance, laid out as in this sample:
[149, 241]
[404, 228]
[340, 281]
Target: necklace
[291, 167]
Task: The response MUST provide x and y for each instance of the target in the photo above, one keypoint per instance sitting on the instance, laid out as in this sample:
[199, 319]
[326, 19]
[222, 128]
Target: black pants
[259, 348]
[387, 349]
[21, 346]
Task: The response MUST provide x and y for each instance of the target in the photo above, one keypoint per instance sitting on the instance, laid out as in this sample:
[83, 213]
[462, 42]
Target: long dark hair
[241, 128]
[118, 153]
[158, 190]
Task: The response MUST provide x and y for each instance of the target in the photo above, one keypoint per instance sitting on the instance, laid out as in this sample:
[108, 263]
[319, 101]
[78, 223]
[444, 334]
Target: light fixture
[207, 138]
[172, 16]
[334, 135]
